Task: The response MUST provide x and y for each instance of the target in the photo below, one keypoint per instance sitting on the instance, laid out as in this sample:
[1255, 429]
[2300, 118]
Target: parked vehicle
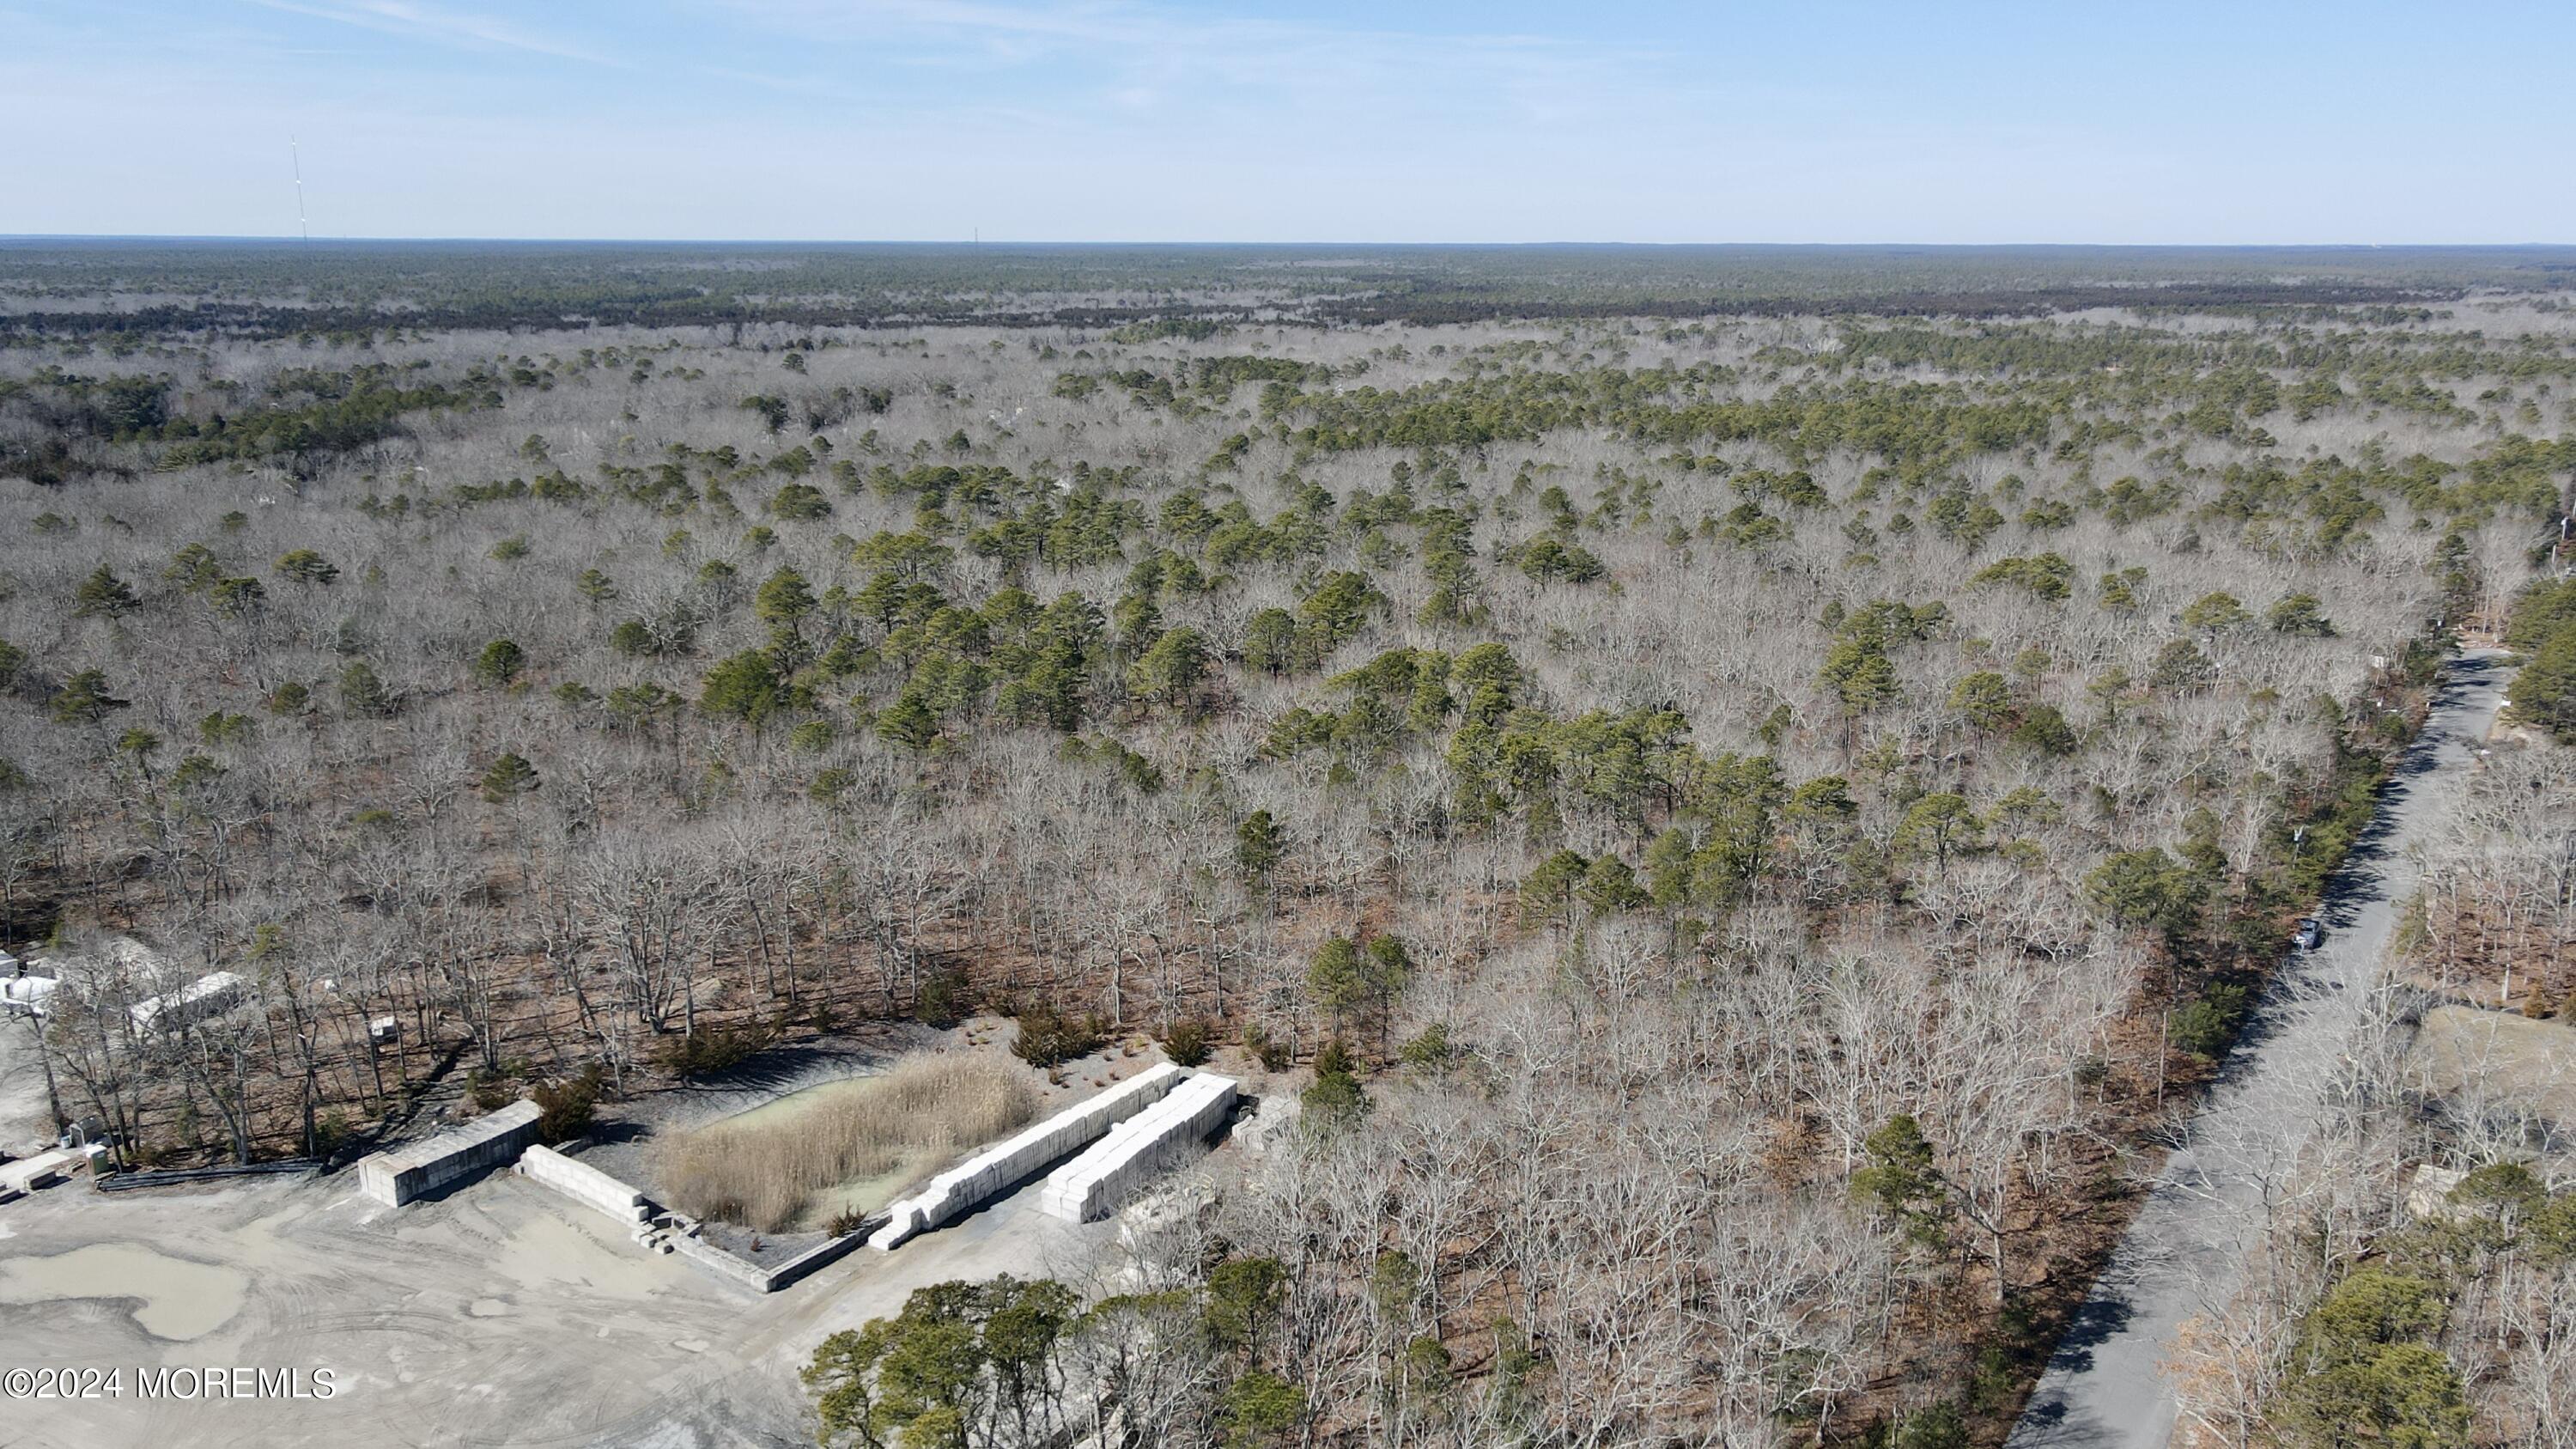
[2310, 932]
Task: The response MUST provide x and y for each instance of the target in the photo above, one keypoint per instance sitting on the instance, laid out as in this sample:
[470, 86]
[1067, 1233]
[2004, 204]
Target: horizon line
[963, 243]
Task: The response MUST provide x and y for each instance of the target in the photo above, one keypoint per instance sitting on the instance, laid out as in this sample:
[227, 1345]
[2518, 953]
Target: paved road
[2103, 1389]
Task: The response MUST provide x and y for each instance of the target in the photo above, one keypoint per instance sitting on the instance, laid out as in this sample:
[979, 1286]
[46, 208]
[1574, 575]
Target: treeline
[267, 290]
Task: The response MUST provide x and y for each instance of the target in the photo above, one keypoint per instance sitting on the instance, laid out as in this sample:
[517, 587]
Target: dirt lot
[497, 1315]
[494, 1314]
[2501, 1060]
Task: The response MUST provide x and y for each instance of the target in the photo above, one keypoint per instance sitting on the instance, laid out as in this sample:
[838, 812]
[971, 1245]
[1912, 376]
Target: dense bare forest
[1747, 820]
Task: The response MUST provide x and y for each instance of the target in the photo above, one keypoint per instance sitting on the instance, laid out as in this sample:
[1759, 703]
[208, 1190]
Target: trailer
[210, 995]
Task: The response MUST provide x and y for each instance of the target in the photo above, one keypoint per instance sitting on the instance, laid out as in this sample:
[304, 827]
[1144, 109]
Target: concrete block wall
[1091, 1186]
[584, 1184]
[956, 1192]
[721, 1263]
[43, 1170]
[812, 1260]
[683, 1237]
[396, 1177]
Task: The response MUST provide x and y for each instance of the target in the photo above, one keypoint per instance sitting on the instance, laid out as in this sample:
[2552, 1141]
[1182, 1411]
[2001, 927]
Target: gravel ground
[493, 1314]
[498, 1314]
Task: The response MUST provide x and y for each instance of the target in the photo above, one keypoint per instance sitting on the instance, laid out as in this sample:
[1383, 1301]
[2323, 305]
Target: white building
[26, 995]
[210, 995]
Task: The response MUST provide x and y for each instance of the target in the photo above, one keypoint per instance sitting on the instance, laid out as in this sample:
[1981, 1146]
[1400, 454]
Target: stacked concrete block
[585, 1184]
[956, 1192]
[45, 1169]
[1091, 1186]
[396, 1177]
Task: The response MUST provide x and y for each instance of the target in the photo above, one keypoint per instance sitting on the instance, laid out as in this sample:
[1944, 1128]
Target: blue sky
[1103, 120]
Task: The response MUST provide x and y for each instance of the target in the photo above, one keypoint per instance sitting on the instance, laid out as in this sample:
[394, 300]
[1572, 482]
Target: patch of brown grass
[764, 1175]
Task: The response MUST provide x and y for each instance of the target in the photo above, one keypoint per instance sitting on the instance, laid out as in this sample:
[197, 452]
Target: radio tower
[296, 155]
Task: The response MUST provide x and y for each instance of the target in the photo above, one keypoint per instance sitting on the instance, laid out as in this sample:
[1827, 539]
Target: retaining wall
[396, 1177]
[821, 1255]
[1091, 1186]
[684, 1237]
[584, 1184]
[956, 1192]
[719, 1262]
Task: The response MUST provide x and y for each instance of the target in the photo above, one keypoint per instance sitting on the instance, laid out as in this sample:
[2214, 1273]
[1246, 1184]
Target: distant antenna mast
[296, 154]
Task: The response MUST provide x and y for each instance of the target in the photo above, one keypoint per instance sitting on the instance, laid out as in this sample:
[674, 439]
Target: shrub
[946, 997]
[510, 777]
[987, 1345]
[1243, 1299]
[2553, 1229]
[2143, 887]
[1428, 1052]
[711, 1049]
[1336, 1097]
[2366, 1371]
[1263, 1408]
[1050, 1038]
[564, 1108]
[2045, 731]
[1187, 1043]
[2205, 1025]
[2544, 694]
[1272, 1056]
[305, 566]
[500, 662]
[2540, 611]
[1934, 1426]
[362, 692]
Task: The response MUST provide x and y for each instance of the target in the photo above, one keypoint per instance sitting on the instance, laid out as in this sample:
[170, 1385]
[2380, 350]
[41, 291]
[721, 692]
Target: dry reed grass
[764, 1175]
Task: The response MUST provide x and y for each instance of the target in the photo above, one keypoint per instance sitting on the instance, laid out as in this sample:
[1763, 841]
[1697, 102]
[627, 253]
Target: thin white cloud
[1234, 51]
[783, 84]
[441, 24]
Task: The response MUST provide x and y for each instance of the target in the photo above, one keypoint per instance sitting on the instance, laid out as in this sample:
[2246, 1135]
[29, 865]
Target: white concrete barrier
[682, 1234]
[1091, 1186]
[584, 1184]
[719, 1262]
[396, 1177]
[28, 1174]
[954, 1193]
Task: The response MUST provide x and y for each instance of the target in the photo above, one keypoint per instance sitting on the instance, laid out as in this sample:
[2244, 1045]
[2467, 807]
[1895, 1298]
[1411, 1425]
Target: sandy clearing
[497, 1315]
[173, 1298]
